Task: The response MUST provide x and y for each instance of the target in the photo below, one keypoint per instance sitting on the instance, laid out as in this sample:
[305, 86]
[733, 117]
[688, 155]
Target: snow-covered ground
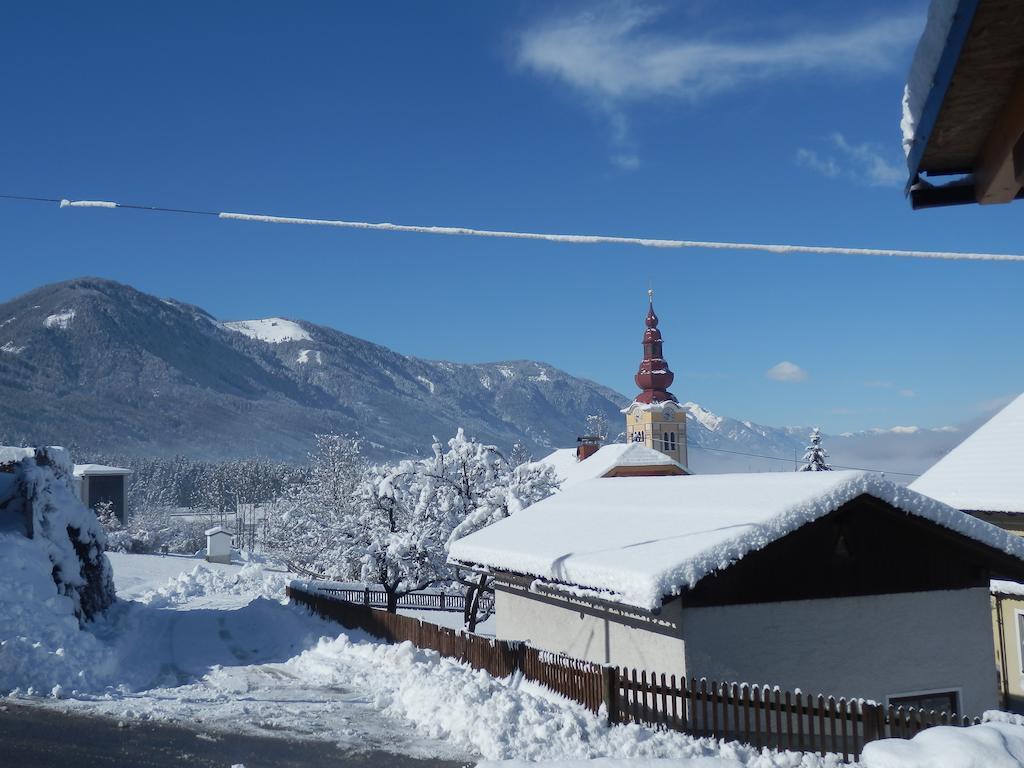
[215, 647]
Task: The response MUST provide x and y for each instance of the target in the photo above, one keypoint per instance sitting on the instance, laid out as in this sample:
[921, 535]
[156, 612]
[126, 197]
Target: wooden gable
[865, 547]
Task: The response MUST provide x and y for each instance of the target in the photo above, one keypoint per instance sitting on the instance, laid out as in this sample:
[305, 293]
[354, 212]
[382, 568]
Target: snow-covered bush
[37, 502]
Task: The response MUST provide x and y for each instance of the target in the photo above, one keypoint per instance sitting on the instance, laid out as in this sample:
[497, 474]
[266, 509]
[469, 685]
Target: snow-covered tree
[597, 426]
[314, 524]
[419, 508]
[398, 535]
[814, 458]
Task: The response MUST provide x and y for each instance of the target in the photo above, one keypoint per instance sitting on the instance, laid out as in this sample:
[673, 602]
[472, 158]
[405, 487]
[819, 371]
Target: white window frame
[1017, 614]
[956, 690]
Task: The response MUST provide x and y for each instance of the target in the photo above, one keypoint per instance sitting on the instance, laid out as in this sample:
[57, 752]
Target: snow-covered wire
[646, 242]
[609, 239]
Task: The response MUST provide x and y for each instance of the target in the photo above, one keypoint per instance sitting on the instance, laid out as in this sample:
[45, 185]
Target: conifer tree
[814, 458]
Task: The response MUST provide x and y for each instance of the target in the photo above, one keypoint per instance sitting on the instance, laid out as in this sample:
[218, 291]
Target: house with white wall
[984, 477]
[835, 582]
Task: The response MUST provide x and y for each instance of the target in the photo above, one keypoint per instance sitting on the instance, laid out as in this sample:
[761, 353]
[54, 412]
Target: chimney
[587, 446]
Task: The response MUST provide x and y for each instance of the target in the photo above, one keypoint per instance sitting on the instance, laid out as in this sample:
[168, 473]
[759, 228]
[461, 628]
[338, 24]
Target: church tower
[655, 418]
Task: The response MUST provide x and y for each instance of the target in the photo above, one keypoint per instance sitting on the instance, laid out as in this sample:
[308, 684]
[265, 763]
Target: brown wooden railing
[420, 601]
[758, 715]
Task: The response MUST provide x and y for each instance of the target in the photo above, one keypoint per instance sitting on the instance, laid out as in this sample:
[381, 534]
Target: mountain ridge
[105, 367]
[109, 370]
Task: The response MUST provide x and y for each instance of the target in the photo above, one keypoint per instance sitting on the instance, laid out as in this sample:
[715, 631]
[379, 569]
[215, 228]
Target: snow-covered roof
[985, 473]
[604, 460]
[10, 454]
[82, 470]
[924, 65]
[217, 529]
[637, 540]
[1000, 587]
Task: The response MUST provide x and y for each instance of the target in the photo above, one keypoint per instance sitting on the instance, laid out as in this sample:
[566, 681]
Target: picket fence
[759, 715]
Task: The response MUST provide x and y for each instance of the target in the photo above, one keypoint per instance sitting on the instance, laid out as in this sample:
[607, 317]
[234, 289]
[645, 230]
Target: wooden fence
[758, 715]
[420, 601]
[578, 680]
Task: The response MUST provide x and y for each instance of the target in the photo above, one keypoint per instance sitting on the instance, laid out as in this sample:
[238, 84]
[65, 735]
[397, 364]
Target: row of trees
[393, 525]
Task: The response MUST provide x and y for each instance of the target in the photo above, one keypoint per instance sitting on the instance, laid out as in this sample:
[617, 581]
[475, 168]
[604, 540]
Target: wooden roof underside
[989, 66]
[973, 119]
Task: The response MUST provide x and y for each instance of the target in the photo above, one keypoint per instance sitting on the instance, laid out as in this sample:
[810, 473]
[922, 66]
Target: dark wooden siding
[865, 547]
[107, 488]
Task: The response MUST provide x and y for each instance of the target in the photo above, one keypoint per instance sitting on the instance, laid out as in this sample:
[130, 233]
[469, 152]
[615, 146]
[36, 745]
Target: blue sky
[702, 120]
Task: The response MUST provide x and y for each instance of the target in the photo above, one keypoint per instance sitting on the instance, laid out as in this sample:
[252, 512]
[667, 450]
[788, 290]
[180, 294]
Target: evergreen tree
[814, 458]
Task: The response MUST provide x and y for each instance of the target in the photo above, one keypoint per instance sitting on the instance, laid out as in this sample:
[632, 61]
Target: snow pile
[647, 537]
[925, 63]
[983, 473]
[989, 745]
[51, 580]
[203, 581]
[502, 719]
[272, 330]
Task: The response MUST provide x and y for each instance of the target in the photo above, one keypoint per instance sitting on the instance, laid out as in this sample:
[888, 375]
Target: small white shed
[218, 545]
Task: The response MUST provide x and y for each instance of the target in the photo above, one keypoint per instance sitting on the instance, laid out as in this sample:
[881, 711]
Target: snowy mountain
[105, 368]
[722, 444]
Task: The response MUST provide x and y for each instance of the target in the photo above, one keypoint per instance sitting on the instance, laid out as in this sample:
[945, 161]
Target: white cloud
[613, 53]
[786, 371]
[868, 163]
[627, 161]
[908, 393]
[808, 158]
[863, 163]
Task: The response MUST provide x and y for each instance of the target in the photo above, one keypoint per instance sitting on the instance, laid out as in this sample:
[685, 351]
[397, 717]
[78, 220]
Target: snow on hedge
[54, 574]
[641, 539]
[989, 745]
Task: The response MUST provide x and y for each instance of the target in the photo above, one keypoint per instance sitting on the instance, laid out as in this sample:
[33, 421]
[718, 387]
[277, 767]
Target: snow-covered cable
[646, 242]
[87, 204]
[609, 239]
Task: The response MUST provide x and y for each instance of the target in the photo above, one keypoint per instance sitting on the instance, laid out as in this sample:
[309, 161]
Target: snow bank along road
[214, 649]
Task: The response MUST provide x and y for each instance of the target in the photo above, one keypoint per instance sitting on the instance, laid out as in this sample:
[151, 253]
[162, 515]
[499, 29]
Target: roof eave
[962, 19]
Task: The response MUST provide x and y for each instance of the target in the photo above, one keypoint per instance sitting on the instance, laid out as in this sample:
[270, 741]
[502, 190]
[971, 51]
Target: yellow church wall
[654, 423]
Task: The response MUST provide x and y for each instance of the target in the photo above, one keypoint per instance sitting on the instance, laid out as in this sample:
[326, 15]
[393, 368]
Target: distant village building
[984, 477]
[98, 483]
[841, 583]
